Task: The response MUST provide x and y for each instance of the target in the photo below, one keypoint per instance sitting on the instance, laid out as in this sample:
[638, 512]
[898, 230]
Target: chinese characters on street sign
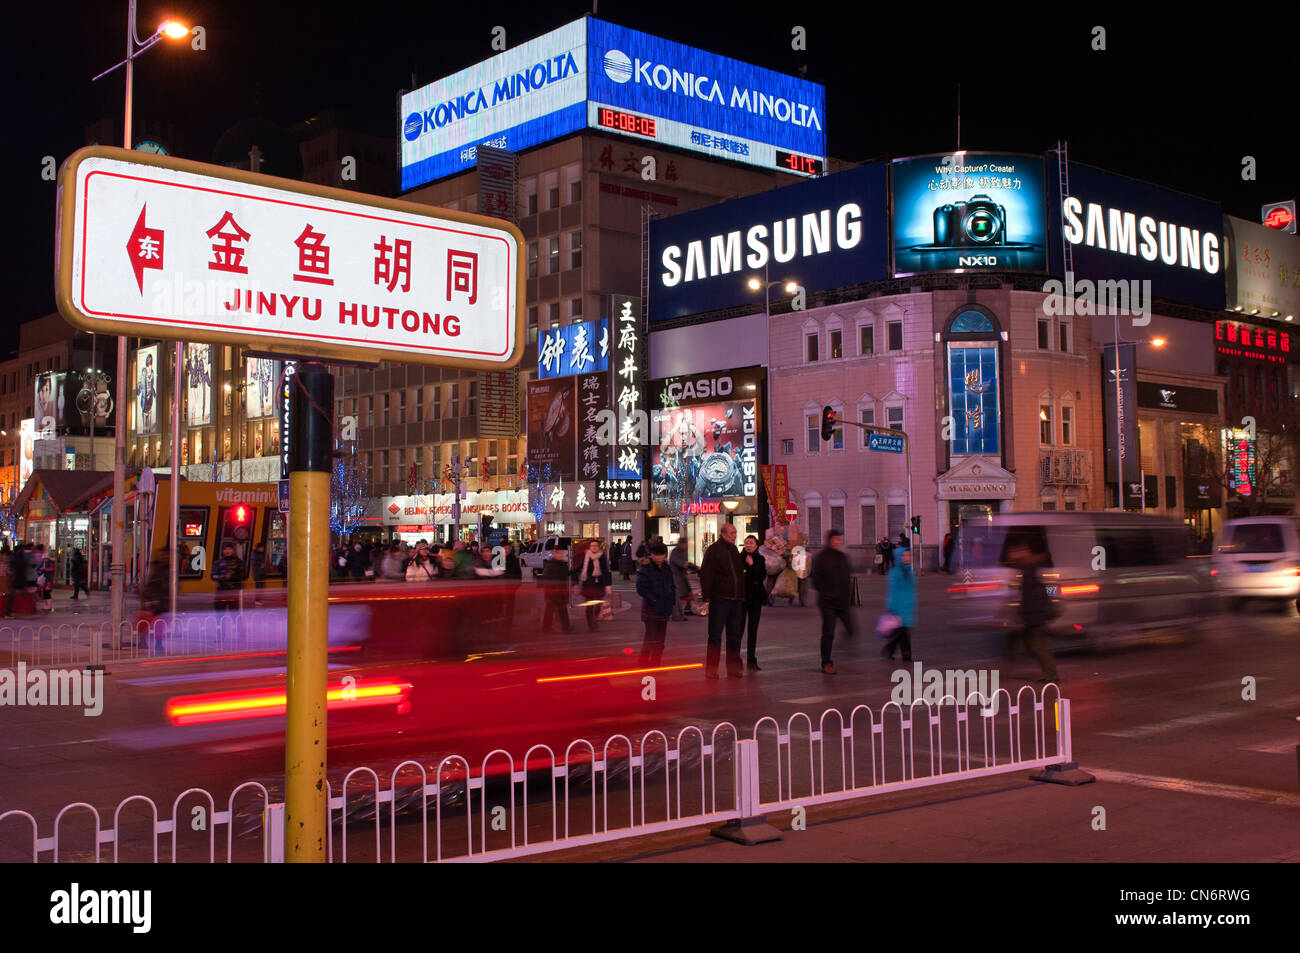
[166, 248]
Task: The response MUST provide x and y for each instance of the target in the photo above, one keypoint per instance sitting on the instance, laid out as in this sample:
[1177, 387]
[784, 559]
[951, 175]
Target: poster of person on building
[553, 427]
[705, 452]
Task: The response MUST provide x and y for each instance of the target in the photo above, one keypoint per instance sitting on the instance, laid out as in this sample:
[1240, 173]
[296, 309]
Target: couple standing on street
[731, 583]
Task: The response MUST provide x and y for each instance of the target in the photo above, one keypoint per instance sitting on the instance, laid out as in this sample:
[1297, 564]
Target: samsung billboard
[1119, 229]
[826, 233]
[972, 211]
[590, 73]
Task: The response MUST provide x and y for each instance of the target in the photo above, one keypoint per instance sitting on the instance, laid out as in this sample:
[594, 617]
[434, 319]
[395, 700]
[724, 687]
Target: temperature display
[804, 165]
[627, 122]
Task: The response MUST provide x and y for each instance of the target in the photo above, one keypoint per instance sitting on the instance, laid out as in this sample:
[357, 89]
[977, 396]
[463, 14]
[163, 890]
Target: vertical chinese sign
[627, 461]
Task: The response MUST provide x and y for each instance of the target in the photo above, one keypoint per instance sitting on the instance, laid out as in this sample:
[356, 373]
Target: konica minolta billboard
[822, 234]
[590, 73]
[1119, 229]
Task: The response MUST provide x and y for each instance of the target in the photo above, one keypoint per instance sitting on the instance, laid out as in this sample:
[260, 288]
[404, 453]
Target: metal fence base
[750, 831]
[1068, 774]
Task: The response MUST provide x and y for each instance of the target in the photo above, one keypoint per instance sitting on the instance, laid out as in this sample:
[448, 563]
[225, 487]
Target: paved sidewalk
[1005, 819]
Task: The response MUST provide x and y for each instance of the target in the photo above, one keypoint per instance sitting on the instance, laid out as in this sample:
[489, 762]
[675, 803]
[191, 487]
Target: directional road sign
[885, 442]
[157, 247]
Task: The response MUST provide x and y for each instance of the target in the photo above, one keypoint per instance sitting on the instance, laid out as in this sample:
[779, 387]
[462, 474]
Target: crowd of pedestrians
[27, 575]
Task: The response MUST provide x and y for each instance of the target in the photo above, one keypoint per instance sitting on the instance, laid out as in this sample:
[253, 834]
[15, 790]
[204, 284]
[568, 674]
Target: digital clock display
[804, 165]
[627, 122]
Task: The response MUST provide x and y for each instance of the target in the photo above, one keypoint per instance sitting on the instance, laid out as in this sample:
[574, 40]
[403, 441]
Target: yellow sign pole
[311, 443]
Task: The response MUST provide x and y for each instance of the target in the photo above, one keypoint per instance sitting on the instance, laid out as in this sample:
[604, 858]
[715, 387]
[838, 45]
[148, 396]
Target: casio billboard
[821, 234]
[1122, 229]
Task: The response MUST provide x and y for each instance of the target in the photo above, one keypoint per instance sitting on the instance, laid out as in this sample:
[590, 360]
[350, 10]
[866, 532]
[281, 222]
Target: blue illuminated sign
[590, 73]
[822, 234]
[573, 349]
[884, 442]
[701, 101]
[973, 403]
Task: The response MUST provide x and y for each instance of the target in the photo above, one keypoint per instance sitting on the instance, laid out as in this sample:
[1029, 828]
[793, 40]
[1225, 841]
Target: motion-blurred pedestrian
[228, 572]
[832, 577]
[901, 602]
[654, 584]
[555, 589]
[1035, 608]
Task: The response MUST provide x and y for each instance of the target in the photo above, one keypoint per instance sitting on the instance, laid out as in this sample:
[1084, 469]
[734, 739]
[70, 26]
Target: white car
[535, 554]
[1258, 557]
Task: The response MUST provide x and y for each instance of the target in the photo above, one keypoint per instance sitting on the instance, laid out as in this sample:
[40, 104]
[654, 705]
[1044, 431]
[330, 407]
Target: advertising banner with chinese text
[552, 428]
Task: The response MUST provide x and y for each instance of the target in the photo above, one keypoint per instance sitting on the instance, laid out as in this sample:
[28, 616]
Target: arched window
[971, 322]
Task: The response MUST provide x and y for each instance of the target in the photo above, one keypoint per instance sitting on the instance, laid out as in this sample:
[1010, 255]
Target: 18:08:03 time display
[627, 122]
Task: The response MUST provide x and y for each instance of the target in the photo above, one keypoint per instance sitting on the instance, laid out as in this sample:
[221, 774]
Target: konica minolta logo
[621, 68]
[519, 83]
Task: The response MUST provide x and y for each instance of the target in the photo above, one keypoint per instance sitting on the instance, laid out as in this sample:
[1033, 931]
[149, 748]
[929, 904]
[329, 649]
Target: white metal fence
[589, 794]
[196, 633]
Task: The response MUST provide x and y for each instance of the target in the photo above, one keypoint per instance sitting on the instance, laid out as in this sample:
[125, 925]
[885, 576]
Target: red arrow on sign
[145, 248]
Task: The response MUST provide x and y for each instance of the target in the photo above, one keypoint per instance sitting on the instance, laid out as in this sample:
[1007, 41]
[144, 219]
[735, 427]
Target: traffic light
[916, 525]
[828, 423]
[238, 519]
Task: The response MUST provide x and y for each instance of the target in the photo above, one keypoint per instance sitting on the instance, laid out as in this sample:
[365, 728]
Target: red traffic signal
[829, 423]
[241, 513]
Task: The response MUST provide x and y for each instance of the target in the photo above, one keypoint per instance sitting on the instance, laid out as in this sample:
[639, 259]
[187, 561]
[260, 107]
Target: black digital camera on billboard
[981, 223]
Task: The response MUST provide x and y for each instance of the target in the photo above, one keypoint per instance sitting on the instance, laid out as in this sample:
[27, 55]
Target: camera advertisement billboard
[198, 384]
[49, 403]
[976, 211]
[1122, 230]
[552, 429]
[822, 234]
[146, 390]
[704, 452]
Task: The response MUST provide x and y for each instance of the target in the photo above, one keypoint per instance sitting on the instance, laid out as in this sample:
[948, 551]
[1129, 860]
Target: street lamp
[117, 569]
[766, 284]
[730, 506]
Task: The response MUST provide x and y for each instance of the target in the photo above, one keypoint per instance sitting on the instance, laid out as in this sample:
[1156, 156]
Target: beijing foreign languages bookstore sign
[159, 247]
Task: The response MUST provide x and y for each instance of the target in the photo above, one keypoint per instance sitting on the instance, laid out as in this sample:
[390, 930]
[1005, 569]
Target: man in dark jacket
[79, 574]
[555, 585]
[832, 577]
[755, 598]
[654, 584]
[1035, 608]
[228, 571]
[722, 586]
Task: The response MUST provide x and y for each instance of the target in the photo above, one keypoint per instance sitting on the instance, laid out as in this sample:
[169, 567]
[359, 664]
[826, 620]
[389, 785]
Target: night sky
[1177, 98]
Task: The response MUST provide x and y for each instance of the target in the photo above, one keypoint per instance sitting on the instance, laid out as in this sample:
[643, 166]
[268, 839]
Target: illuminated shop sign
[1245, 340]
[573, 349]
[1241, 462]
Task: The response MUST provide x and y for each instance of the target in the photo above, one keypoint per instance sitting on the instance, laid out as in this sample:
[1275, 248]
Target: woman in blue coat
[901, 601]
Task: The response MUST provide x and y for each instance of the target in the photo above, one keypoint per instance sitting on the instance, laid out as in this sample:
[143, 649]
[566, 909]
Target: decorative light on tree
[538, 477]
[349, 493]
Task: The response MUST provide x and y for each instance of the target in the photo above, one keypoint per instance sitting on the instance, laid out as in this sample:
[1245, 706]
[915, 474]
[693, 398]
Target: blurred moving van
[1118, 576]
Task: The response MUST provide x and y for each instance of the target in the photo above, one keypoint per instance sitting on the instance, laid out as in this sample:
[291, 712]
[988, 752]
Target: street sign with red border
[158, 247]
